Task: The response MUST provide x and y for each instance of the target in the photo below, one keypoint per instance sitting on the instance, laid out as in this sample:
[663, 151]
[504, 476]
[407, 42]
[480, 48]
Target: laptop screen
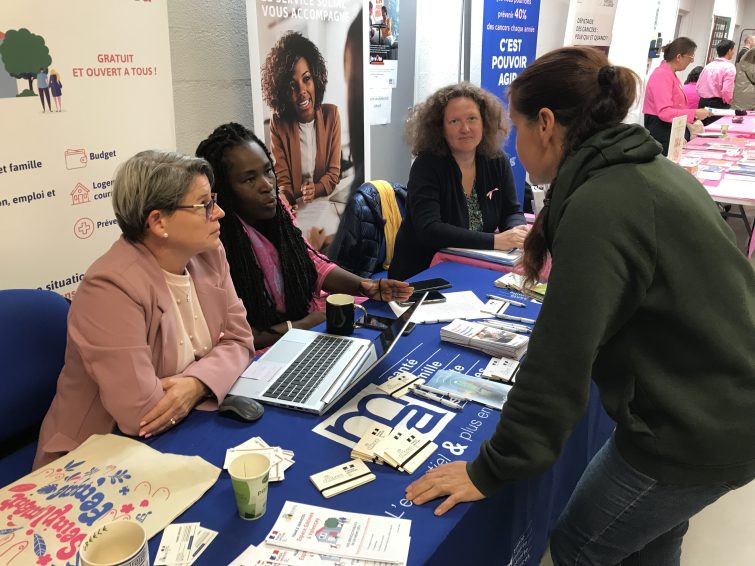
[390, 335]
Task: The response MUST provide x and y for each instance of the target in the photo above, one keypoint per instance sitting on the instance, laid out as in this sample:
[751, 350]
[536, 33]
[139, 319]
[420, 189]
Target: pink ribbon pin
[490, 193]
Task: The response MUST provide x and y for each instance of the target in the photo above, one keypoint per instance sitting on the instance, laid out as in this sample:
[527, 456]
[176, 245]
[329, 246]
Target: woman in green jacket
[670, 350]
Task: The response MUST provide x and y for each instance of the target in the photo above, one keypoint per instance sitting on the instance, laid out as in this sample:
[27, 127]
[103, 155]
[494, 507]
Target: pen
[436, 398]
[424, 387]
[512, 301]
[506, 326]
[516, 318]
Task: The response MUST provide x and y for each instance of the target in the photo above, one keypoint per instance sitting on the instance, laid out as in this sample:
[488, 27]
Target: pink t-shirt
[717, 80]
[269, 261]
[690, 90]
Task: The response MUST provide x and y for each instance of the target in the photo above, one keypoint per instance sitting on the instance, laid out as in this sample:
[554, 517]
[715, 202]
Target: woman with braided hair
[305, 134]
[275, 271]
[626, 308]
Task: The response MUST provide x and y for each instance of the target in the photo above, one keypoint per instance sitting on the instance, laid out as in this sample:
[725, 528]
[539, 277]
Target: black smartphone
[381, 323]
[432, 297]
[429, 285]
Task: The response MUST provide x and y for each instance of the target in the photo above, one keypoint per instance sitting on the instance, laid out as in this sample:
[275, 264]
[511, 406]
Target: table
[725, 188]
[514, 523]
[746, 128]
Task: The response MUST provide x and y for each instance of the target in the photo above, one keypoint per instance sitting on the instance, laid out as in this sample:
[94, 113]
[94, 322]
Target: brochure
[482, 391]
[349, 535]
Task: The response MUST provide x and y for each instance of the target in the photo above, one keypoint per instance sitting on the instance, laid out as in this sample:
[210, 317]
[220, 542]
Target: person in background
[749, 41]
[716, 83]
[56, 89]
[44, 89]
[744, 85]
[690, 87]
[664, 96]
[385, 33]
[461, 188]
[277, 274]
[679, 382]
[156, 328]
[305, 134]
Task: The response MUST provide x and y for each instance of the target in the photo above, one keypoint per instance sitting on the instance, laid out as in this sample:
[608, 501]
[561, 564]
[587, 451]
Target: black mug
[339, 314]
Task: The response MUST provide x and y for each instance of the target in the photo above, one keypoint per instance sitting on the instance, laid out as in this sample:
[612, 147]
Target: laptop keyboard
[306, 372]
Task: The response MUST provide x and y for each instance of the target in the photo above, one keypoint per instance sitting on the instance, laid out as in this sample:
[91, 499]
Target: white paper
[380, 106]
[263, 371]
[202, 540]
[266, 555]
[350, 535]
[176, 544]
[733, 187]
[460, 304]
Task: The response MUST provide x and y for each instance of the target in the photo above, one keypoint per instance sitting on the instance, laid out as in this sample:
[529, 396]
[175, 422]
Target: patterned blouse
[475, 214]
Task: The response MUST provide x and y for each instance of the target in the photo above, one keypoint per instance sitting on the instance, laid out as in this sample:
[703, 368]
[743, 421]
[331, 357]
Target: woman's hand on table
[386, 289]
[308, 192]
[513, 238]
[182, 393]
[447, 479]
[702, 114]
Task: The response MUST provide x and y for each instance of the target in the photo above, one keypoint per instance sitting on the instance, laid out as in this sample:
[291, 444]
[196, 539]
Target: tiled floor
[724, 533]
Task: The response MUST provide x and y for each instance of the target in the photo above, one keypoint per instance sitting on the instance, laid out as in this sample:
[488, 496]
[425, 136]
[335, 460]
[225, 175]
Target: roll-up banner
[307, 66]
[83, 86]
[509, 43]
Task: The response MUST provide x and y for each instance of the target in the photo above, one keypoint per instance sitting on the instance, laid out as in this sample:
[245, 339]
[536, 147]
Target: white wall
[438, 54]
[552, 25]
[210, 60]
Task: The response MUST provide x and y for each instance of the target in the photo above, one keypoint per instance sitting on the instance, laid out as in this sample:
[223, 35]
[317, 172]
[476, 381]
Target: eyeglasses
[690, 57]
[209, 206]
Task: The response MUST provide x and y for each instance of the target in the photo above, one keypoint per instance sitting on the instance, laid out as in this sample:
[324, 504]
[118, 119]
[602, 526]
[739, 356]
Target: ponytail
[586, 95]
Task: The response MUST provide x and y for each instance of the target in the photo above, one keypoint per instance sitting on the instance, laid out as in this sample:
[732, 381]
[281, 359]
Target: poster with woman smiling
[307, 90]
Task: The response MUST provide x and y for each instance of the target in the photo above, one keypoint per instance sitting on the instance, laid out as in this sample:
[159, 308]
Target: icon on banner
[76, 158]
[79, 194]
[83, 228]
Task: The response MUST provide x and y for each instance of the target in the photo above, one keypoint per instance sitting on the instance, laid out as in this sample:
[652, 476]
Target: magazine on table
[515, 282]
[508, 257]
[493, 341]
[339, 533]
[478, 390]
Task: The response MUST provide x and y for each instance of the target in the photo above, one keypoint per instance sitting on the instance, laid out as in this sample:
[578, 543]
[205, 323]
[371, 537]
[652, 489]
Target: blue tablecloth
[514, 523]
[511, 526]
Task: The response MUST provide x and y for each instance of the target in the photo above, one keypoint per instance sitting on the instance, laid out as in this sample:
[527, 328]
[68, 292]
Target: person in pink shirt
[716, 83]
[277, 274]
[690, 87]
[664, 96]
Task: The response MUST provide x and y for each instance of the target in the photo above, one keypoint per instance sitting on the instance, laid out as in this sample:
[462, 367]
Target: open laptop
[310, 371]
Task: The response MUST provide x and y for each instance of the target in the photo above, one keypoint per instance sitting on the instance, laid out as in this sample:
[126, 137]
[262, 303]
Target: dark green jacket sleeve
[603, 262]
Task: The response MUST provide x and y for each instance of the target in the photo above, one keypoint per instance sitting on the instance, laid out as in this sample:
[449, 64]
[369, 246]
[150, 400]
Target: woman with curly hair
[276, 273]
[461, 188]
[305, 134]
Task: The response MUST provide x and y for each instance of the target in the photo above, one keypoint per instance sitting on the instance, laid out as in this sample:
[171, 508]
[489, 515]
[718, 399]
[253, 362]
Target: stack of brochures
[509, 257]
[515, 282]
[305, 534]
[493, 341]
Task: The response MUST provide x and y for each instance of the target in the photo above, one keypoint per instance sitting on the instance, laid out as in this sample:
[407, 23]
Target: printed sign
[76, 100]
[509, 42]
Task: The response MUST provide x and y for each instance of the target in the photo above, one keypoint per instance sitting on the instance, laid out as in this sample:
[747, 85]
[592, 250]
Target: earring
[165, 235]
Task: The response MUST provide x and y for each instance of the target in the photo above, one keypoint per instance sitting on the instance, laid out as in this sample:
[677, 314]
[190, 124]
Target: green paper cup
[249, 474]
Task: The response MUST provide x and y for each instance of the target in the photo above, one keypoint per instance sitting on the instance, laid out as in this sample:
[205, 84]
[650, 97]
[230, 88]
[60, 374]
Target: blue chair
[32, 348]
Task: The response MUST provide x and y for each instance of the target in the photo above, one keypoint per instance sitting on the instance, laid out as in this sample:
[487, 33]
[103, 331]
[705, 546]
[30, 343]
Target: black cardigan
[437, 215]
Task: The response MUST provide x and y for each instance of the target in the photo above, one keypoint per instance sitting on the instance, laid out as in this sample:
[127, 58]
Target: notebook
[310, 371]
